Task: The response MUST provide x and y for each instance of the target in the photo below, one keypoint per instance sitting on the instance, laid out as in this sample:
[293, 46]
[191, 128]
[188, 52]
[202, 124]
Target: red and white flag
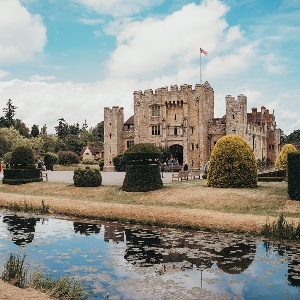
[203, 51]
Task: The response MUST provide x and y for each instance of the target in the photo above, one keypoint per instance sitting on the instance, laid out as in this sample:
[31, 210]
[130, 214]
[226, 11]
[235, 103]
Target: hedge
[294, 175]
[142, 178]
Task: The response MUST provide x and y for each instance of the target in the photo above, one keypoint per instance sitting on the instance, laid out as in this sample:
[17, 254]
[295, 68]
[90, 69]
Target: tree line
[68, 137]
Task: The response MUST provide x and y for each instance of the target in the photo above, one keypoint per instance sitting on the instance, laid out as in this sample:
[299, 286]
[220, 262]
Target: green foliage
[281, 230]
[281, 161]
[142, 153]
[67, 288]
[15, 270]
[67, 158]
[48, 142]
[270, 179]
[50, 158]
[35, 130]
[232, 164]
[22, 156]
[4, 146]
[15, 176]
[142, 178]
[9, 112]
[29, 207]
[293, 137]
[7, 157]
[120, 163]
[101, 164]
[142, 171]
[87, 177]
[294, 175]
[90, 162]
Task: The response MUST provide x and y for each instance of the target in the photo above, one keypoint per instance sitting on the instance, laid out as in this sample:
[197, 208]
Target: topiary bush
[87, 177]
[22, 156]
[281, 161]
[142, 171]
[67, 158]
[22, 168]
[232, 164]
[119, 162]
[293, 164]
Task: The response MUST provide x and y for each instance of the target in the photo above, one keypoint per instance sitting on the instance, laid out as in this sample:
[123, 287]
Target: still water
[138, 262]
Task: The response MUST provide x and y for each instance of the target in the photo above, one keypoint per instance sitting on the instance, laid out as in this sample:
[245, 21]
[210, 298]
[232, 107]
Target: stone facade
[182, 119]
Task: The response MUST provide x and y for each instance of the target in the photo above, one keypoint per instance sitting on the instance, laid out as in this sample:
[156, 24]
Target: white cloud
[37, 78]
[241, 59]
[3, 73]
[118, 8]
[154, 44]
[91, 22]
[272, 66]
[23, 35]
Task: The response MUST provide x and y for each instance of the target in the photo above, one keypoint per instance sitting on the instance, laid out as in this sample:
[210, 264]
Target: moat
[123, 261]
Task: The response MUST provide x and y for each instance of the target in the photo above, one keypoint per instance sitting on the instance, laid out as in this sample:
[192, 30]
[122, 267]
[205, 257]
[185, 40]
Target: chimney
[254, 115]
[267, 115]
[88, 144]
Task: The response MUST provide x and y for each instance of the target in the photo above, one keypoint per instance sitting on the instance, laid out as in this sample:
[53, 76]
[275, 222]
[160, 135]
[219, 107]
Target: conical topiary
[232, 164]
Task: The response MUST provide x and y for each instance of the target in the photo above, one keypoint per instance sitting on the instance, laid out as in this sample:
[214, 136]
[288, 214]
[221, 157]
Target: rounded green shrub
[87, 177]
[142, 171]
[232, 164]
[281, 161]
[22, 156]
[22, 168]
[67, 158]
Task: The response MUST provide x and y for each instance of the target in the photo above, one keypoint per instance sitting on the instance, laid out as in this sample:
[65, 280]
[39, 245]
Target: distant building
[183, 120]
[91, 152]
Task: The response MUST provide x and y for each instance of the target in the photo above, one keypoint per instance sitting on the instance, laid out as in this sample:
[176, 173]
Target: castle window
[175, 117]
[156, 110]
[192, 130]
[129, 144]
[156, 130]
[192, 146]
[110, 135]
[232, 116]
[175, 131]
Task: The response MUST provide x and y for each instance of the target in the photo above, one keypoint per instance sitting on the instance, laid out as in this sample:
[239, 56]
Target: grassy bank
[183, 204]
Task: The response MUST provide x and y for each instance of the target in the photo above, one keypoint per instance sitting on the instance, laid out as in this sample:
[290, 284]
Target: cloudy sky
[70, 59]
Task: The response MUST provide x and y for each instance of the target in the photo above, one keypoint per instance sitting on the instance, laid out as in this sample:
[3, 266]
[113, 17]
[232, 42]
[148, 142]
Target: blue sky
[72, 58]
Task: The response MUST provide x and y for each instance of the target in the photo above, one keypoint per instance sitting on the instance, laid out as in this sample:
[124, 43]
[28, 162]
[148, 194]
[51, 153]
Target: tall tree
[62, 128]
[98, 131]
[9, 112]
[21, 127]
[293, 137]
[35, 130]
[44, 129]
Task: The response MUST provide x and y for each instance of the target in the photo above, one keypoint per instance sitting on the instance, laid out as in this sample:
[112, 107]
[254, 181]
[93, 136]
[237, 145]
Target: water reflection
[136, 262]
[22, 229]
[85, 228]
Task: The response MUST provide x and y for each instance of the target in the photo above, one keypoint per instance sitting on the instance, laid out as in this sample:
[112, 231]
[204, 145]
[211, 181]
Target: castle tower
[113, 135]
[236, 115]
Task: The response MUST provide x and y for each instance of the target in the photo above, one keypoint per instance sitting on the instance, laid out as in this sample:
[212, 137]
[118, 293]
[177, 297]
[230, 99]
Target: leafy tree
[49, 142]
[73, 143]
[281, 161]
[282, 137]
[232, 164]
[9, 112]
[98, 131]
[74, 129]
[293, 137]
[62, 128]
[50, 158]
[67, 158]
[44, 129]
[35, 130]
[21, 127]
[4, 147]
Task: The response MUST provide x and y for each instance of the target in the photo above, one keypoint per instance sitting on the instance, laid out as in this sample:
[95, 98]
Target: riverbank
[182, 204]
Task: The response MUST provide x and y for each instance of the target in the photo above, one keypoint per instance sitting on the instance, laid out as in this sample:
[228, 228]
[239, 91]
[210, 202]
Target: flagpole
[200, 69]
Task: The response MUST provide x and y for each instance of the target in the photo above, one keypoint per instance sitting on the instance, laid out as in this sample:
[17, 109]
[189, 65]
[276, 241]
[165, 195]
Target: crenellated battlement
[173, 89]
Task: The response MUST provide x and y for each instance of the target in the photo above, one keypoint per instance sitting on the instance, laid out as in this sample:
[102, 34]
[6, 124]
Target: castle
[183, 121]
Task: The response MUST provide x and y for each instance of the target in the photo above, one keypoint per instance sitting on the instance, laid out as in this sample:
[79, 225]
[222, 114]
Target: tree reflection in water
[21, 228]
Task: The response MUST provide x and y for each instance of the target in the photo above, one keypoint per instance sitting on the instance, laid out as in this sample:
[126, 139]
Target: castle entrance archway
[176, 152]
